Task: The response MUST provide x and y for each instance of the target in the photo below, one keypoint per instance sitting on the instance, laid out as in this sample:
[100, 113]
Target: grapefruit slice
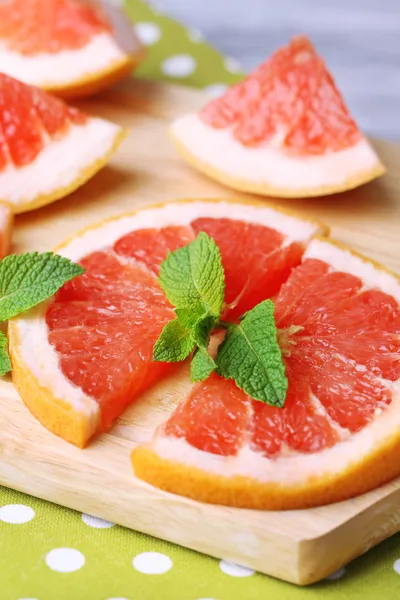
[6, 224]
[47, 149]
[337, 436]
[79, 361]
[284, 131]
[69, 47]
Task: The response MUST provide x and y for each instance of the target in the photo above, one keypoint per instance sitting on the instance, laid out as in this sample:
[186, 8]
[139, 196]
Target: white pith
[290, 466]
[344, 260]
[51, 70]
[31, 329]
[60, 163]
[269, 164]
[182, 214]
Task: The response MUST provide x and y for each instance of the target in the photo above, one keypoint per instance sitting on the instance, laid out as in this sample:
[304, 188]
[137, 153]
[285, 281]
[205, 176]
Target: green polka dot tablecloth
[48, 552]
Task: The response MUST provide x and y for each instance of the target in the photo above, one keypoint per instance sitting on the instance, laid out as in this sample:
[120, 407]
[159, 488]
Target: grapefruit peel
[6, 225]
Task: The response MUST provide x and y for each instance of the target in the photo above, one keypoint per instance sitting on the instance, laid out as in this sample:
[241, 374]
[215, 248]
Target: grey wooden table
[360, 40]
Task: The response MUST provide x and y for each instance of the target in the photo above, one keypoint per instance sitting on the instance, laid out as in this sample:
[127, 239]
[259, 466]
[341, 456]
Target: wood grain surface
[299, 546]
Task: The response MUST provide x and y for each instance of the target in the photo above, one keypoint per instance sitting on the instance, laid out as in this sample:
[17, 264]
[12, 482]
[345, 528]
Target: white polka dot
[148, 33]
[152, 563]
[230, 568]
[65, 560]
[232, 65]
[179, 66]
[396, 566]
[216, 89]
[338, 574]
[116, 598]
[27, 598]
[16, 513]
[195, 35]
[96, 522]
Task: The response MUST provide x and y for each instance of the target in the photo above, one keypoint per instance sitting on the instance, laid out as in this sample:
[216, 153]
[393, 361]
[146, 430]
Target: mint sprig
[25, 281]
[250, 354]
[193, 280]
[174, 344]
[202, 363]
[193, 276]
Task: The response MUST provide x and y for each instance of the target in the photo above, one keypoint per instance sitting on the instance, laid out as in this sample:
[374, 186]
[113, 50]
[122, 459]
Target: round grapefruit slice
[337, 436]
[69, 47]
[81, 359]
[47, 149]
[284, 131]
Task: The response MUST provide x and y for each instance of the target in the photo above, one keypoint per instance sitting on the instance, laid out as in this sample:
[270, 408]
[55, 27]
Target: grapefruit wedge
[69, 47]
[47, 149]
[284, 131]
[82, 358]
[338, 434]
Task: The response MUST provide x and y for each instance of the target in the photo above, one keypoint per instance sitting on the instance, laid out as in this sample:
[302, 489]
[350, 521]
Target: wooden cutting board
[299, 546]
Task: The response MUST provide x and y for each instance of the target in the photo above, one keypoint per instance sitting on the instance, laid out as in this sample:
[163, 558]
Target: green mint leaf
[189, 316]
[5, 363]
[202, 365]
[202, 330]
[250, 354]
[174, 344]
[28, 279]
[195, 273]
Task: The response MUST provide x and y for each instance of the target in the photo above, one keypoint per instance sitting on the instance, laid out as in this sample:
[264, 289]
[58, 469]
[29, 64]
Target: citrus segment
[27, 115]
[217, 421]
[36, 26]
[95, 323]
[151, 246]
[291, 94]
[47, 149]
[96, 337]
[71, 47]
[105, 360]
[338, 327]
[285, 131]
[256, 260]
[112, 282]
